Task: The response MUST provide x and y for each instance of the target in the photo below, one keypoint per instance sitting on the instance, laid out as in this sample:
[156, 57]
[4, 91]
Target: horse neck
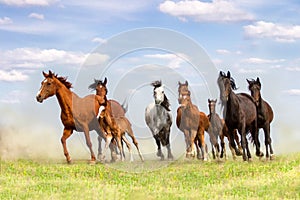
[190, 109]
[65, 97]
[233, 102]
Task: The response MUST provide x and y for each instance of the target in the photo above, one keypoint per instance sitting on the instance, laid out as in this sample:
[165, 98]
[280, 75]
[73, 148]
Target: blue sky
[249, 38]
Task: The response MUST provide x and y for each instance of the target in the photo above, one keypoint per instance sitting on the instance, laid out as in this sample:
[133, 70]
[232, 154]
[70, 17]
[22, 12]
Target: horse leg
[66, 134]
[170, 155]
[99, 147]
[223, 150]
[130, 133]
[197, 144]
[254, 133]
[107, 144]
[203, 145]
[232, 143]
[89, 144]
[237, 140]
[268, 142]
[159, 152]
[128, 147]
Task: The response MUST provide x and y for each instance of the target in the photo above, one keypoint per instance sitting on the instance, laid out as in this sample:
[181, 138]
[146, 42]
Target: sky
[133, 43]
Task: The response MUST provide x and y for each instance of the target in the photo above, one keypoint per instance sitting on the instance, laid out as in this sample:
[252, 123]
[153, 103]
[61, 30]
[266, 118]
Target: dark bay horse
[159, 119]
[191, 122]
[264, 114]
[240, 113]
[218, 129]
[113, 119]
[77, 113]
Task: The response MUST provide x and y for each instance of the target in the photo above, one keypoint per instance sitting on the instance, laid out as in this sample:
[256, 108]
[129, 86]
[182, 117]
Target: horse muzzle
[39, 98]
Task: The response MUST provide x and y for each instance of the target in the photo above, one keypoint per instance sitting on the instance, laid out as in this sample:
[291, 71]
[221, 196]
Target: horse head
[159, 95]
[183, 90]
[99, 86]
[50, 85]
[212, 105]
[255, 87]
[226, 85]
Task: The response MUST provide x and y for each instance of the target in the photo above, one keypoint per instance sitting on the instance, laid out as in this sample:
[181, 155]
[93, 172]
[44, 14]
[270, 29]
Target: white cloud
[5, 21]
[223, 51]
[36, 16]
[293, 69]
[99, 40]
[28, 2]
[217, 11]
[278, 32]
[35, 57]
[262, 61]
[292, 92]
[12, 75]
[95, 59]
[174, 60]
[250, 71]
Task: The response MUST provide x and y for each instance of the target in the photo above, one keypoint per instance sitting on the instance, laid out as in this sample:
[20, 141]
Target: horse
[265, 114]
[240, 113]
[79, 114]
[218, 129]
[159, 119]
[191, 122]
[115, 113]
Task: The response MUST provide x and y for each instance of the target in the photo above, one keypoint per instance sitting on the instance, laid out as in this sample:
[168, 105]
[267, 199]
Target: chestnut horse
[191, 122]
[113, 119]
[264, 114]
[240, 113]
[218, 129]
[77, 113]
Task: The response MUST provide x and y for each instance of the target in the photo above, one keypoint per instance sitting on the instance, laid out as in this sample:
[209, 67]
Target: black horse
[264, 114]
[239, 113]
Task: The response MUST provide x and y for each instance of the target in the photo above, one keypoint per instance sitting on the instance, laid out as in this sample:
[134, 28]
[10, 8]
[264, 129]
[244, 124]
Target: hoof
[159, 153]
[205, 159]
[92, 162]
[69, 161]
[238, 153]
[259, 154]
[272, 157]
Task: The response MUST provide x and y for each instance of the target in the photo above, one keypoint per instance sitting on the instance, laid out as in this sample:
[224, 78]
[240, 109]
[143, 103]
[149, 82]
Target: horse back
[116, 108]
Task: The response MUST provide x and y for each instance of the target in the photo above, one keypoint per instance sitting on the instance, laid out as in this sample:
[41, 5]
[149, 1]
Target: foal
[217, 129]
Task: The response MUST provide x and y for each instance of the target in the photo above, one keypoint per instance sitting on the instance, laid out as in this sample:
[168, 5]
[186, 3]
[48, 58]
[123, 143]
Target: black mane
[165, 103]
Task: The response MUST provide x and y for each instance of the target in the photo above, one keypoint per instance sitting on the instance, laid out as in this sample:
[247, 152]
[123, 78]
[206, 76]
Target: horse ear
[257, 80]
[45, 75]
[186, 82]
[228, 74]
[216, 100]
[208, 100]
[249, 82]
[105, 81]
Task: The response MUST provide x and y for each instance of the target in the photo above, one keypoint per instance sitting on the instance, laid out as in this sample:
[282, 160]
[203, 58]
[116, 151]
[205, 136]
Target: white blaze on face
[159, 95]
[44, 82]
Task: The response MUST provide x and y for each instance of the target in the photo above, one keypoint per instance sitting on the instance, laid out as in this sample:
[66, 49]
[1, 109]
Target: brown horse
[191, 122]
[118, 110]
[218, 129]
[77, 113]
[113, 119]
[265, 114]
[240, 113]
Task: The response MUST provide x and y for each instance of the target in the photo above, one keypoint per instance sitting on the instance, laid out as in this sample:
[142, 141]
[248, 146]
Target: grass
[36, 179]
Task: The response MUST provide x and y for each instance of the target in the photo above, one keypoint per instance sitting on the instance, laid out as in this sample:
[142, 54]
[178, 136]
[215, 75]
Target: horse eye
[48, 83]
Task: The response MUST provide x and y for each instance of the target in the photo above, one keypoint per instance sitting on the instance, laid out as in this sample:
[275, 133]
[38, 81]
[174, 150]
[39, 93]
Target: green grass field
[35, 179]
